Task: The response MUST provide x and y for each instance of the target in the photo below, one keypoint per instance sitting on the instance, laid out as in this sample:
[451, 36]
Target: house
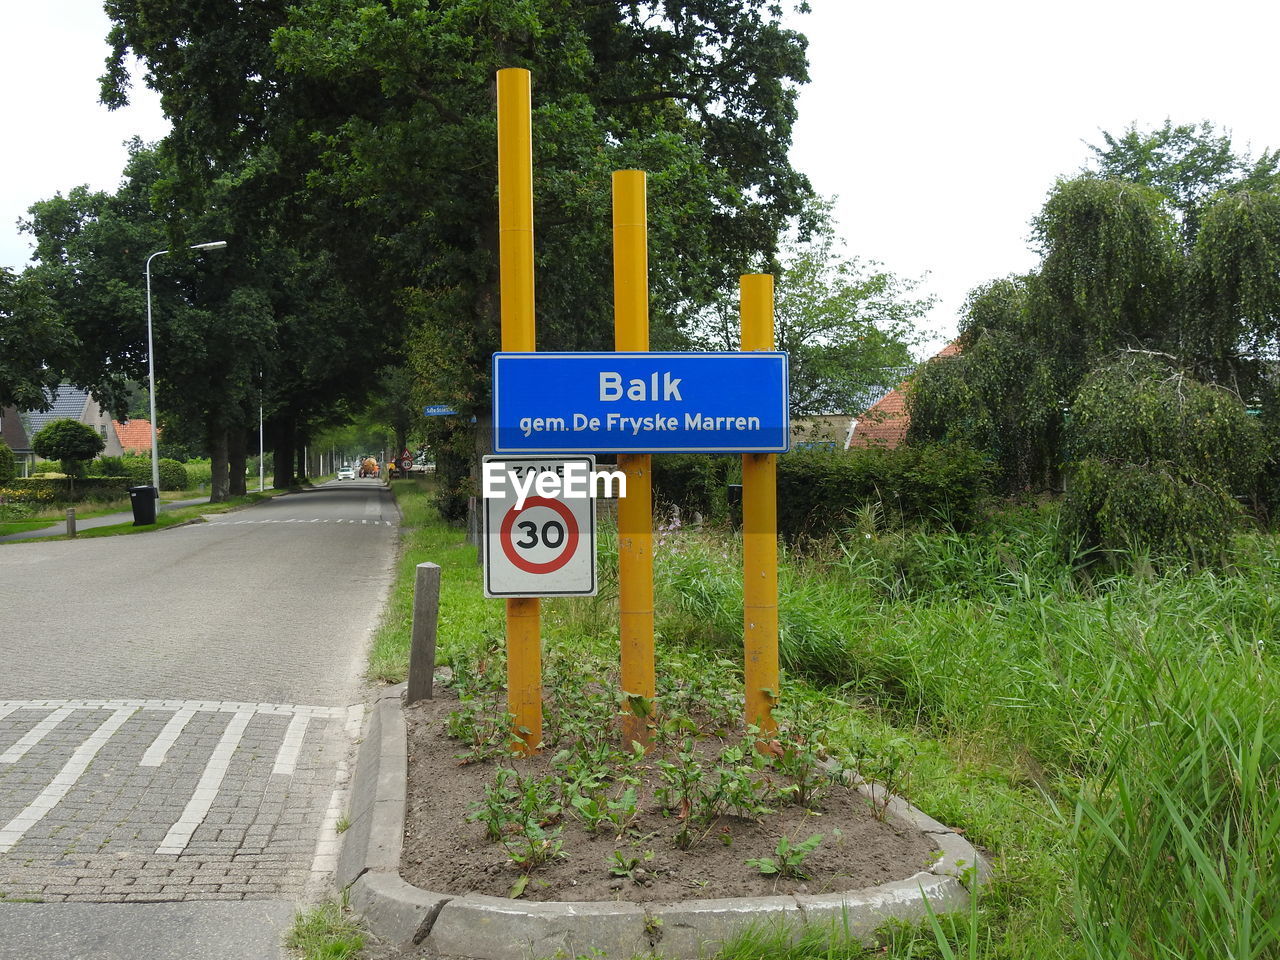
[134, 435]
[13, 433]
[885, 422]
[72, 403]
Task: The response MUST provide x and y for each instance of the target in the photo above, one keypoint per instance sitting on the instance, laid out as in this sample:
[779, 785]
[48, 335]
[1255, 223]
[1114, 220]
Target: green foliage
[1160, 458]
[8, 464]
[34, 342]
[694, 482]
[788, 859]
[1174, 248]
[69, 441]
[64, 490]
[173, 475]
[843, 321]
[821, 492]
[1187, 164]
[110, 467]
[1179, 837]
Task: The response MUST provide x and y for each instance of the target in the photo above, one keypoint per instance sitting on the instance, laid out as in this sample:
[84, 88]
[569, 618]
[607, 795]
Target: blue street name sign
[438, 410]
[640, 403]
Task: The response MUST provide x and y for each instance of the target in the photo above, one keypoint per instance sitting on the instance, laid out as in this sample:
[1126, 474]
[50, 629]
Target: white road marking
[168, 736]
[66, 778]
[287, 756]
[35, 735]
[215, 770]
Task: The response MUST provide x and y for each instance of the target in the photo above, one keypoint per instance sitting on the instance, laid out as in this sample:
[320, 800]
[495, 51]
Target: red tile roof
[134, 435]
[885, 422]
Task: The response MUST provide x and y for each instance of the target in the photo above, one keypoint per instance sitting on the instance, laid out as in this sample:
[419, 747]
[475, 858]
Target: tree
[1162, 460]
[69, 441]
[8, 463]
[1187, 164]
[845, 323]
[1122, 269]
[369, 129]
[33, 343]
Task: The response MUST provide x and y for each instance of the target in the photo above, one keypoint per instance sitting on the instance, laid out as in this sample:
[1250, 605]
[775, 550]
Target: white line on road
[51, 795]
[197, 808]
[35, 735]
[168, 736]
[287, 756]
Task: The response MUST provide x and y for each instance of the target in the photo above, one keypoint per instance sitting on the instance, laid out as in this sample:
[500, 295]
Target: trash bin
[143, 500]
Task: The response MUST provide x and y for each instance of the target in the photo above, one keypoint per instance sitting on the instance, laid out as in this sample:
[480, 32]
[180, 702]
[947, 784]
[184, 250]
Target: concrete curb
[495, 928]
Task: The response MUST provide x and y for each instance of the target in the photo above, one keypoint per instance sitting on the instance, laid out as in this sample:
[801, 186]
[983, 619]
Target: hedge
[61, 490]
[821, 491]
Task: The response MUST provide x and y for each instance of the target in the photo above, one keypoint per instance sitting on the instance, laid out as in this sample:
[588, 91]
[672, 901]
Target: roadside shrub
[109, 467]
[200, 473]
[694, 482]
[173, 475]
[49, 490]
[8, 465]
[138, 470]
[1160, 461]
[822, 492]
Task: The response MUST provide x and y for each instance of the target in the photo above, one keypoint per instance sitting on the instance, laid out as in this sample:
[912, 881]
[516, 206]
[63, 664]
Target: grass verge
[1109, 737]
[467, 619]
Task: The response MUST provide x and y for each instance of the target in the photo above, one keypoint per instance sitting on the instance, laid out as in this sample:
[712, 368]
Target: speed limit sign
[538, 540]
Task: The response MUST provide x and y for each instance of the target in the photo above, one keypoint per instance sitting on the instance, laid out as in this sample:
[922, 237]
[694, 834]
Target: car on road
[346, 473]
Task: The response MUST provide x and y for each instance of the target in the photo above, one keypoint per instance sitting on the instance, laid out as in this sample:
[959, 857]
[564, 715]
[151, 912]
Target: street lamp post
[151, 361]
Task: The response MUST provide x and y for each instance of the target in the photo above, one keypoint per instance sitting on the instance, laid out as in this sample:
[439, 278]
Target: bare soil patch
[443, 852]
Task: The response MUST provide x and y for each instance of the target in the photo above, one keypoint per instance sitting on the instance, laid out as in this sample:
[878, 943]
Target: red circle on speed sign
[570, 537]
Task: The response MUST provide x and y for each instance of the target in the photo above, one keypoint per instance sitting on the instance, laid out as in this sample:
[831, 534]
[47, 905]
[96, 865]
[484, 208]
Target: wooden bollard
[71, 521]
[422, 648]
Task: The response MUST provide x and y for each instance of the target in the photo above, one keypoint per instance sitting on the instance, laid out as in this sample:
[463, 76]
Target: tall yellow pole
[635, 510]
[515, 257]
[759, 532]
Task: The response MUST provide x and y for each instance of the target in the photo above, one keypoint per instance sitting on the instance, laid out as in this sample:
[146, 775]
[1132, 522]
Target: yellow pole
[759, 532]
[515, 258]
[635, 510]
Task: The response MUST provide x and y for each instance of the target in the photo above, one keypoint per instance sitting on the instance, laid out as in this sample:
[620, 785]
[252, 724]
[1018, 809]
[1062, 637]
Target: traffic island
[499, 928]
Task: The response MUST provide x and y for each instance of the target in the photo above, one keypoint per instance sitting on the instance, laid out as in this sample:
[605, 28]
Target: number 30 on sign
[545, 546]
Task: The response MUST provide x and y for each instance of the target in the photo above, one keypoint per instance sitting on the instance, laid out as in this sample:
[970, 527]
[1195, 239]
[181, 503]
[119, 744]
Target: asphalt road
[177, 711]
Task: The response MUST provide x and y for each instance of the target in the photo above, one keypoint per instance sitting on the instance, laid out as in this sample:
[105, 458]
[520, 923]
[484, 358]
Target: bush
[8, 464]
[820, 492]
[138, 470]
[60, 490]
[69, 441]
[173, 475]
[109, 467]
[1161, 459]
[694, 482]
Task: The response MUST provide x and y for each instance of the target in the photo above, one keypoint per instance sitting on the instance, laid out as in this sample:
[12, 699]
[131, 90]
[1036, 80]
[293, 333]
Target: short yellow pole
[759, 533]
[515, 258]
[635, 510]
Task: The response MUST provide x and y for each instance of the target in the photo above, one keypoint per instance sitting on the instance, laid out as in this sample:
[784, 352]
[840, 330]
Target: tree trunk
[218, 463]
[237, 457]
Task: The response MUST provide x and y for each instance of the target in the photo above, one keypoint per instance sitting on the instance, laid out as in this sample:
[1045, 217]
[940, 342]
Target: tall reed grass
[1147, 700]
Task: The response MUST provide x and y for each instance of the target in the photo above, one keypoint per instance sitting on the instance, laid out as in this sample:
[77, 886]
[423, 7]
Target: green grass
[325, 932]
[468, 622]
[164, 518]
[1110, 737]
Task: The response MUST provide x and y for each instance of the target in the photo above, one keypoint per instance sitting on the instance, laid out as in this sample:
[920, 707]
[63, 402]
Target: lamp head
[212, 245]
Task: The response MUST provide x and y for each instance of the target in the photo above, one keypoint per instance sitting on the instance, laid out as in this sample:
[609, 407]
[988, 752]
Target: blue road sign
[640, 403]
[438, 410]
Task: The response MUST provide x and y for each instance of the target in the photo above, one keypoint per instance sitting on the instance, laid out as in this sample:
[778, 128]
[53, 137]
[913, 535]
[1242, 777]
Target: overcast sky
[940, 125]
